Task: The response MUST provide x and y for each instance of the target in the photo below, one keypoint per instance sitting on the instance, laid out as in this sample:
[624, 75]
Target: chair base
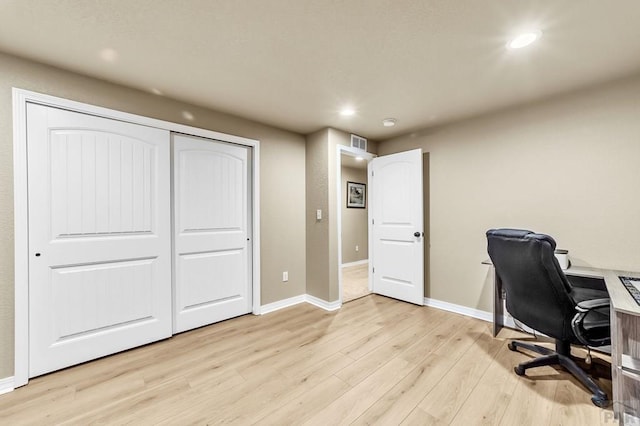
[561, 356]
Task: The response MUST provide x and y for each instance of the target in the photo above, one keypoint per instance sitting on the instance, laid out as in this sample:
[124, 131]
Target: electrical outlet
[357, 248]
[285, 276]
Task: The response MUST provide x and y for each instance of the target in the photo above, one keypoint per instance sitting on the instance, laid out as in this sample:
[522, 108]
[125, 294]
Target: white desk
[625, 337]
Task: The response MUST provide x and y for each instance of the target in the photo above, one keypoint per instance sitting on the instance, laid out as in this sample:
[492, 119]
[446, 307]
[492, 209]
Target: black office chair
[540, 296]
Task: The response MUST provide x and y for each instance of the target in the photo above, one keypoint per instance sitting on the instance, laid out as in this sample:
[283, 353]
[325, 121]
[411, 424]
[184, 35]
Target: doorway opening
[397, 197]
[353, 223]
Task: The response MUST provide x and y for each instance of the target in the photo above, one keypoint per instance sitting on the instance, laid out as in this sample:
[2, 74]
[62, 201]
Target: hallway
[355, 282]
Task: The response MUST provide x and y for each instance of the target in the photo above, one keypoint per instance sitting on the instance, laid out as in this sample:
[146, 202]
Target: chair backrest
[537, 289]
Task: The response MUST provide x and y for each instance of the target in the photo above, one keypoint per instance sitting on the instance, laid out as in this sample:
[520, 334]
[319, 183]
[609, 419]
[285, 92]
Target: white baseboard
[459, 309]
[507, 320]
[6, 385]
[356, 263]
[281, 304]
[327, 306]
[332, 306]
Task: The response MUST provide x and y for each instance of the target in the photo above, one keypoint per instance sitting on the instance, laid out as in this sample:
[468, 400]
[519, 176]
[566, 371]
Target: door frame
[352, 152]
[20, 203]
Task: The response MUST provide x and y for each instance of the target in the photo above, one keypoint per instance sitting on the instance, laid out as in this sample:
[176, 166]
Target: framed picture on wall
[356, 195]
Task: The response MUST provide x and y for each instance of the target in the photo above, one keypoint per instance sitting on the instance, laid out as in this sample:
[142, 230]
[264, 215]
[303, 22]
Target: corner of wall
[317, 198]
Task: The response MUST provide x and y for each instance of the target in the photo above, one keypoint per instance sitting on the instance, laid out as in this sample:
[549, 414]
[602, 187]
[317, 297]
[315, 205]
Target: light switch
[318, 214]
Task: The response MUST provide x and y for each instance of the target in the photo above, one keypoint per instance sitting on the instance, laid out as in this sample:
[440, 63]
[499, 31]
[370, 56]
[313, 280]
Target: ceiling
[295, 64]
[350, 161]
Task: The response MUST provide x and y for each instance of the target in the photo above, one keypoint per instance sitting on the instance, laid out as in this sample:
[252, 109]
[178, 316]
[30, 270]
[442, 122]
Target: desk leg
[616, 379]
[498, 309]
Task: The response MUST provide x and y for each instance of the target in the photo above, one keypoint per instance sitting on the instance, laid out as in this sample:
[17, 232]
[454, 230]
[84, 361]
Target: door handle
[418, 234]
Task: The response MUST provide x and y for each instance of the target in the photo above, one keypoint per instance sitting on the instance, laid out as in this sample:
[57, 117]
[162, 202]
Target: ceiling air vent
[358, 142]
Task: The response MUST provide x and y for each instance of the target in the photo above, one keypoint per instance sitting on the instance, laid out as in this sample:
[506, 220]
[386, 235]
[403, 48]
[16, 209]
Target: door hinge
[373, 221]
[371, 173]
[374, 270]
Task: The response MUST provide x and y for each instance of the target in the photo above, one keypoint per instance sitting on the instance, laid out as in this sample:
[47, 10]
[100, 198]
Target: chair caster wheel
[512, 347]
[520, 371]
[600, 402]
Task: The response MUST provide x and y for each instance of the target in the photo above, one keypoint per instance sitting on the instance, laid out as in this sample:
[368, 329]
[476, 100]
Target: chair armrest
[589, 305]
[584, 308]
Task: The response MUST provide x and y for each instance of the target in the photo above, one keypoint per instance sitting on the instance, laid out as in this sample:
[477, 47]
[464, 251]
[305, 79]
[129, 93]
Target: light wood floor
[375, 361]
[355, 282]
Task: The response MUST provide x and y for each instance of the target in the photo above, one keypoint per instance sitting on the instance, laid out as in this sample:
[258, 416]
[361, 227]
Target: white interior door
[397, 226]
[212, 254]
[99, 237]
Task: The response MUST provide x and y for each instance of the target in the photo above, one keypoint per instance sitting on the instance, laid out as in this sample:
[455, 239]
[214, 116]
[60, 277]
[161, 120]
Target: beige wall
[282, 176]
[317, 196]
[355, 226]
[322, 236]
[569, 167]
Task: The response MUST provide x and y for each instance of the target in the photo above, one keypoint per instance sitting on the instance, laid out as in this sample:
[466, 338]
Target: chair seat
[597, 325]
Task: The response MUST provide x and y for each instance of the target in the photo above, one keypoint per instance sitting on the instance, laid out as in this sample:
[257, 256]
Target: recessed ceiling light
[359, 158]
[156, 91]
[187, 115]
[108, 54]
[524, 39]
[389, 122]
[346, 112]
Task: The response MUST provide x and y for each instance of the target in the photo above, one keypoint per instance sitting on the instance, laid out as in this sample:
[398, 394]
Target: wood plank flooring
[355, 282]
[375, 361]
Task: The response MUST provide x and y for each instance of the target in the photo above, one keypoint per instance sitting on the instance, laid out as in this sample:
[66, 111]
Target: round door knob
[416, 234]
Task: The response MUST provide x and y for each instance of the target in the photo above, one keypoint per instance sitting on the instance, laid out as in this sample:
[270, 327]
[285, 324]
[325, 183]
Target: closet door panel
[99, 237]
[212, 237]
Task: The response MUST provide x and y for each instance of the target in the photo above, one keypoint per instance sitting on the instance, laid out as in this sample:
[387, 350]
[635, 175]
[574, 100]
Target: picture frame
[356, 195]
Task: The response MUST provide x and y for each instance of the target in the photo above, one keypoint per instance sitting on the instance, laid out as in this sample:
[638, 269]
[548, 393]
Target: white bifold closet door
[99, 237]
[212, 233]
